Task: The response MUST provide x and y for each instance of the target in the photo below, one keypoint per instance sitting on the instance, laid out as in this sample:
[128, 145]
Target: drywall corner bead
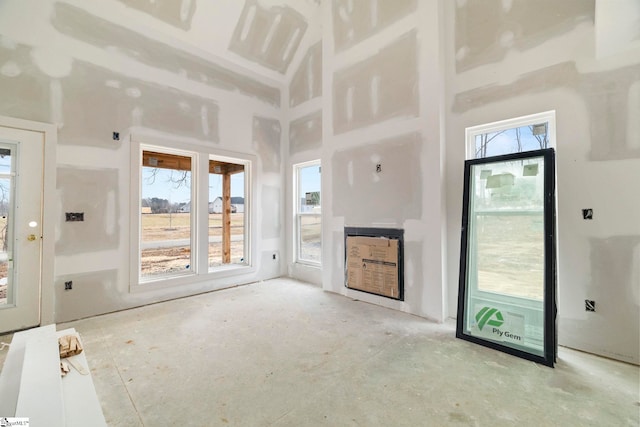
[306, 82]
[266, 142]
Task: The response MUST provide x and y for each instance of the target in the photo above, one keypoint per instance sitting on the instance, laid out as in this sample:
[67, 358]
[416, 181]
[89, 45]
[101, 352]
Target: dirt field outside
[310, 239]
[511, 255]
[172, 232]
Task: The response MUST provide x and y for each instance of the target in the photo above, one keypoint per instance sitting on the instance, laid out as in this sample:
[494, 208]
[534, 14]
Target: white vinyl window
[166, 213]
[193, 216]
[308, 213]
[228, 212]
[527, 133]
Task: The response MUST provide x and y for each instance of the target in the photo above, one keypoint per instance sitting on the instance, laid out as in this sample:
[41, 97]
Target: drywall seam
[119, 13]
[106, 35]
[397, 188]
[433, 110]
[602, 92]
[176, 13]
[305, 133]
[306, 82]
[518, 25]
[268, 36]
[130, 102]
[381, 130]
[354, 22]
[304, 109]
[363, 50]
[267, 137]
[75, 188]
[398, 91]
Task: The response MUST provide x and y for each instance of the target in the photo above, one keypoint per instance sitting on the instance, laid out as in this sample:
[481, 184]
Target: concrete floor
[285, 353]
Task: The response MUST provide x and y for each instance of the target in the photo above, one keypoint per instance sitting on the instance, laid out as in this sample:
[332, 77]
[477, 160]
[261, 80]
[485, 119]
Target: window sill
[183, 280]
[311, 264]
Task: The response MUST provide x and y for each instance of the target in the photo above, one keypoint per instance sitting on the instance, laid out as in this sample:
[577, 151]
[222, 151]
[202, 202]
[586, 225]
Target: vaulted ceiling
[264, 35]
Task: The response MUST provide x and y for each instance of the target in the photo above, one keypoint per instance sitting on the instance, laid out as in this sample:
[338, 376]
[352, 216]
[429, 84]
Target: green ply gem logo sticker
[484, 317]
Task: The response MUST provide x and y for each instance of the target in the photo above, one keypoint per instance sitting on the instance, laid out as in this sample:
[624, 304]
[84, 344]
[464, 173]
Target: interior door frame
[50, 135]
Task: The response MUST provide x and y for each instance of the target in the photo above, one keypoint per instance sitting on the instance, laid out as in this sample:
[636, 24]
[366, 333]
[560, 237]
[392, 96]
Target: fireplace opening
[374, 261]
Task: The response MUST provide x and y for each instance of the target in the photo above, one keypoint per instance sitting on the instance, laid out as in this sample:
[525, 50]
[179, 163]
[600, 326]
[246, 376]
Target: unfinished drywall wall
[552, 66]
[362, 195]
[378, 88]
[271, 212]
[119, 40]
[266, 143]
[176, 13]
[605, 93]
[306, 82]
[354, 21]
[77, 302]
[129, 102]
[33, 94]
[615, 264]
[25, 89]
[75, 65]
[303, 130]
[305, 133]
[77, 193]
[268, 36]
[617, 29]
[382, 105]
[490, 28]
[415, 291]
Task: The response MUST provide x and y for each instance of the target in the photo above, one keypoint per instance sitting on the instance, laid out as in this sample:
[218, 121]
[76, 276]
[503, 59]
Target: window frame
[247, 211]
[471, 132]
[298, 215]
[546, 116]
[201, 154]
[193, 214]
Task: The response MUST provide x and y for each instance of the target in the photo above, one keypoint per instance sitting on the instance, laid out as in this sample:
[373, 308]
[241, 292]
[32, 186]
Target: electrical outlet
[378, 168]
[74, 216]
[68, 285]
[589, 305]
[116, 136]
[274, 256]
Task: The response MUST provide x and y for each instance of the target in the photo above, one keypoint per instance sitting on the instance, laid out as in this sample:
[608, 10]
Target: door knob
[31, 237]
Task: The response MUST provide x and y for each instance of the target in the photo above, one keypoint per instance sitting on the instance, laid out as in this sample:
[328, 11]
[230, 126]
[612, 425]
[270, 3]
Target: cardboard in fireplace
[373, 261]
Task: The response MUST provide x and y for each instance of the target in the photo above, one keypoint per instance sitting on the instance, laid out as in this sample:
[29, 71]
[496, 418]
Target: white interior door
[21, 168]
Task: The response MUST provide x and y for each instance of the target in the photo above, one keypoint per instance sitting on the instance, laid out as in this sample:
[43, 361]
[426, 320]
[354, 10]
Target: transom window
[527, 133]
